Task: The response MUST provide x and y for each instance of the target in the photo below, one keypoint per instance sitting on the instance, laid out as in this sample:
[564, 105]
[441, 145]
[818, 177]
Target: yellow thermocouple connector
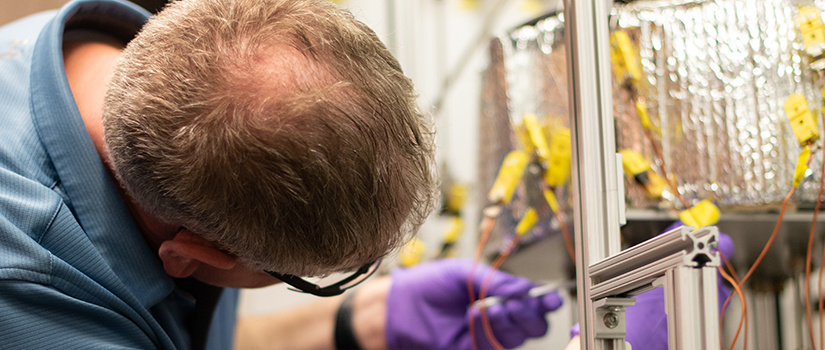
[802, 120]
[634, 163]
[453, 231]
[641, 109]
[456, 197]
[531, 122]
[527, 222]
[551, 200]
[558, 167]
[801, 166]
[523, 136]
[412, 253]
[508, 177]
[637, 167]
[704, 213]
[623, 57]
[812, 29]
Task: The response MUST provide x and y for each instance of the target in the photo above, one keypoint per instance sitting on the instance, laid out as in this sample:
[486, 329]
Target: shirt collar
[95, 199]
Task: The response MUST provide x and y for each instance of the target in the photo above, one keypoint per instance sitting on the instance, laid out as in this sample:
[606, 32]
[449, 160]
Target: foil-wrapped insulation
[494, 124]
[527, 74]
[716, 77]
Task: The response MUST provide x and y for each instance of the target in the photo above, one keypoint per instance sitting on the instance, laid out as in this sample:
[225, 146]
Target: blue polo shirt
[75, 272]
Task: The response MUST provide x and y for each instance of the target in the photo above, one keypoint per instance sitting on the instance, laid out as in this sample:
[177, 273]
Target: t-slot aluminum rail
[606, 277]
[682, 262]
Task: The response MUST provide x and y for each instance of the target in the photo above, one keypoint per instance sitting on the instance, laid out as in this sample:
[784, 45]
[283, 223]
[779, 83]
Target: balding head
[282, 130]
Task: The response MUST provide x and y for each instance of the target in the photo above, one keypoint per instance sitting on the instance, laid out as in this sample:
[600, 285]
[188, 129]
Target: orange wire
[773, 236]
[657, 151]
[807, 267]
[765, 249]
[742, 318]
[816, 211]
[485, 235]
[733, 274]
[822, 263]
[661, 159]
[485, 286]
[565, 233]
[808, 279]
[739, 284]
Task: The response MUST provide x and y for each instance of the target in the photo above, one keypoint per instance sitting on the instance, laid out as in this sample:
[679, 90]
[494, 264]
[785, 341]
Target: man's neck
[89, 67]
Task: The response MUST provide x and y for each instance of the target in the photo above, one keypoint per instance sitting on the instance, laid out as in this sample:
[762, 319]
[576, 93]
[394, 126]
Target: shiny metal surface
[717, 74]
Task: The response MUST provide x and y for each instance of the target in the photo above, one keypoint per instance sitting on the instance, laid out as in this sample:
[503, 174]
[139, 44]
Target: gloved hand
[427, 308]
[646, 320]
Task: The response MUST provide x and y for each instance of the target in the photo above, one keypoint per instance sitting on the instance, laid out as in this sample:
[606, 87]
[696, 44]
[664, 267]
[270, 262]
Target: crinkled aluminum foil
[717, 74]
[527, 74]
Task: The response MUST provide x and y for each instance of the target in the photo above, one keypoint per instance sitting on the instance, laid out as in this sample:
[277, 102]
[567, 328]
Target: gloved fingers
[527, 318]
[575, 330]
[646, 321]
[725, 245]
[549, 302]
[505, 331]
[509, 286]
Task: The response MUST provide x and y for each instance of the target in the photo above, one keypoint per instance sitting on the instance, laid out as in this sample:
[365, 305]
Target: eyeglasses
[301, 285]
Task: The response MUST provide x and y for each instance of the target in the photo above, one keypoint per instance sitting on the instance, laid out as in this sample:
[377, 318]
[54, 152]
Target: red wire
[816, 211]
[822, 263]
[773, 236]
[742, 318]
[764, 250]
[485, 286]
[807, 267]
[565, 232]
[735, 277]
[808, 276]
[657, 151]
[490, 222]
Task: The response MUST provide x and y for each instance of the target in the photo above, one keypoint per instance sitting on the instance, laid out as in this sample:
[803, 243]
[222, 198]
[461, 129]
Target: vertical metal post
[693, 318]
[596, 214]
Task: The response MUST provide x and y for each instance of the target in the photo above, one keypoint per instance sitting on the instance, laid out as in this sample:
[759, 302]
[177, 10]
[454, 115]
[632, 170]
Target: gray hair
[282, 130]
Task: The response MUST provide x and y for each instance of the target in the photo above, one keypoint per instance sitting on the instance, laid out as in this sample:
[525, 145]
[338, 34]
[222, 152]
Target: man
[232, 143]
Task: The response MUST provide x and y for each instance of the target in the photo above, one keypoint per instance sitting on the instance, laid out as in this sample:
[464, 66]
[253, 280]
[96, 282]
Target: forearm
[311, 326]
[305, 327]
[369, 318]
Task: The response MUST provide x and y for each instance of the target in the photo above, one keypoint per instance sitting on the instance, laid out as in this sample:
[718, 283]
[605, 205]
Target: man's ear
[186, 252]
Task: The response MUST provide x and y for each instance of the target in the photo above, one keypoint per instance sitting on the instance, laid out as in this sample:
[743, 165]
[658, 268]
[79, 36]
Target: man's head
[281, 130]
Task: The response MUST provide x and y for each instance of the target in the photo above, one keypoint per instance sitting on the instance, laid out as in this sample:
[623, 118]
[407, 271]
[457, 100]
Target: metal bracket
[636, 268]
[610, 317]
[680, 261]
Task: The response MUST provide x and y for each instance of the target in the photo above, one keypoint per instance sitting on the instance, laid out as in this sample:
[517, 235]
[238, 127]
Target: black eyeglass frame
[299, 284]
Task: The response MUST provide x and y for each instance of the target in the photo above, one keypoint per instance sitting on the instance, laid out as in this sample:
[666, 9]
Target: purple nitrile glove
[646, 320]
[428, 308]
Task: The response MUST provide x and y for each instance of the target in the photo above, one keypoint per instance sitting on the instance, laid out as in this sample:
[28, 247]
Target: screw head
[611, 320]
